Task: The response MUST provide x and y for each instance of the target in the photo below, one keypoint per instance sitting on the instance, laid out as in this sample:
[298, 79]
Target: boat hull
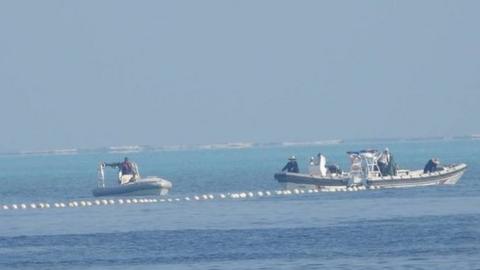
[143, 187]
[306, 180]
[449, 176]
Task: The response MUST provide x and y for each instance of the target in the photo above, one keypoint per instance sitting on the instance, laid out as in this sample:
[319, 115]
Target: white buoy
[278, 192]
[260, 194]
[89, 203]
[177, 199]
[196, 198]
[187, 199]
[32, 205]
[14, 206]
[120, 201]
[243, 195]
[83, 203]
[222, 196]
[169, 200]
[62, 205]
[134, 201]
[268, 193]
[23, 206]
[5, 207]
[250, 194]
[161, 200]
[154, 200]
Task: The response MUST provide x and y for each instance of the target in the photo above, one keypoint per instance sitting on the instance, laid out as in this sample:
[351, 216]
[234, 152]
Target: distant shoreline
[129, 149]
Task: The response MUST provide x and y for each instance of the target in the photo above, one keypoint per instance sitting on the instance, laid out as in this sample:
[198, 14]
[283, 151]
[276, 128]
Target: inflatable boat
[137, 186]
[365, 171]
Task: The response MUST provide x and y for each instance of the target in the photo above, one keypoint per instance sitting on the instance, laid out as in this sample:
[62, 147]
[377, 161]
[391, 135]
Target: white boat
[139, 186]
[365, 172]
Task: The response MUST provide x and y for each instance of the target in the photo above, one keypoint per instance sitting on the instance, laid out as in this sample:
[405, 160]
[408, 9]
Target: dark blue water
[420, 228]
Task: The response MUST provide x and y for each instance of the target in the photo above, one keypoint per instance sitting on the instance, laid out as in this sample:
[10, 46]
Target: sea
[194, 227]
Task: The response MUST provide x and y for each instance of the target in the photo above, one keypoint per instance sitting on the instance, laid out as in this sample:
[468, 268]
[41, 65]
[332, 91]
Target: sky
[80, 74]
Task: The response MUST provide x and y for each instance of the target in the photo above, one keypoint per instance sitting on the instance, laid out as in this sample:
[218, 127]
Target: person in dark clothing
[127, 169]
[334, 168]
[431, 166]
[390, 168]
[291, 166]
[384, 161]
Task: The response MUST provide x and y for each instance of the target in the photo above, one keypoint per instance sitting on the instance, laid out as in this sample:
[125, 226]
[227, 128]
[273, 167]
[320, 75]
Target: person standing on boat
[431, 165]
[127, 170]
[383, 161]
[291, 166]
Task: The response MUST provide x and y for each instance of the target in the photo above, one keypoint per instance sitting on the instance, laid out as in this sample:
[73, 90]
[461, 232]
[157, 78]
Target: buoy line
[198, 197]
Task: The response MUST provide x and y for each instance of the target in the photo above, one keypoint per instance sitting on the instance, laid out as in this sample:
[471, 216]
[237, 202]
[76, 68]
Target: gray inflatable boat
[138, 186]
[365, 172]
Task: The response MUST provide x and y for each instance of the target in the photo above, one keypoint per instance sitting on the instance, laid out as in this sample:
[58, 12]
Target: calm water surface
[419, 228]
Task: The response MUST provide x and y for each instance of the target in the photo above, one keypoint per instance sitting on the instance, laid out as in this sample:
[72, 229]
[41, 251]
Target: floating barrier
[223, 196]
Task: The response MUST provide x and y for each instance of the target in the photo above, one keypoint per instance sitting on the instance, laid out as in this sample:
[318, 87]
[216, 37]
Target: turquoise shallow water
[422, 228]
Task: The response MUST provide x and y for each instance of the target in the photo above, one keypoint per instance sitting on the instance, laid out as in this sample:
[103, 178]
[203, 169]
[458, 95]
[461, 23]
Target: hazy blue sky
[100, 73]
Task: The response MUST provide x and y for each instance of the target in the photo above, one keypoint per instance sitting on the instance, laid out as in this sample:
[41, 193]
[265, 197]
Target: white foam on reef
[193, 198]
[69, 151]
[324, 142]
[126, 149]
